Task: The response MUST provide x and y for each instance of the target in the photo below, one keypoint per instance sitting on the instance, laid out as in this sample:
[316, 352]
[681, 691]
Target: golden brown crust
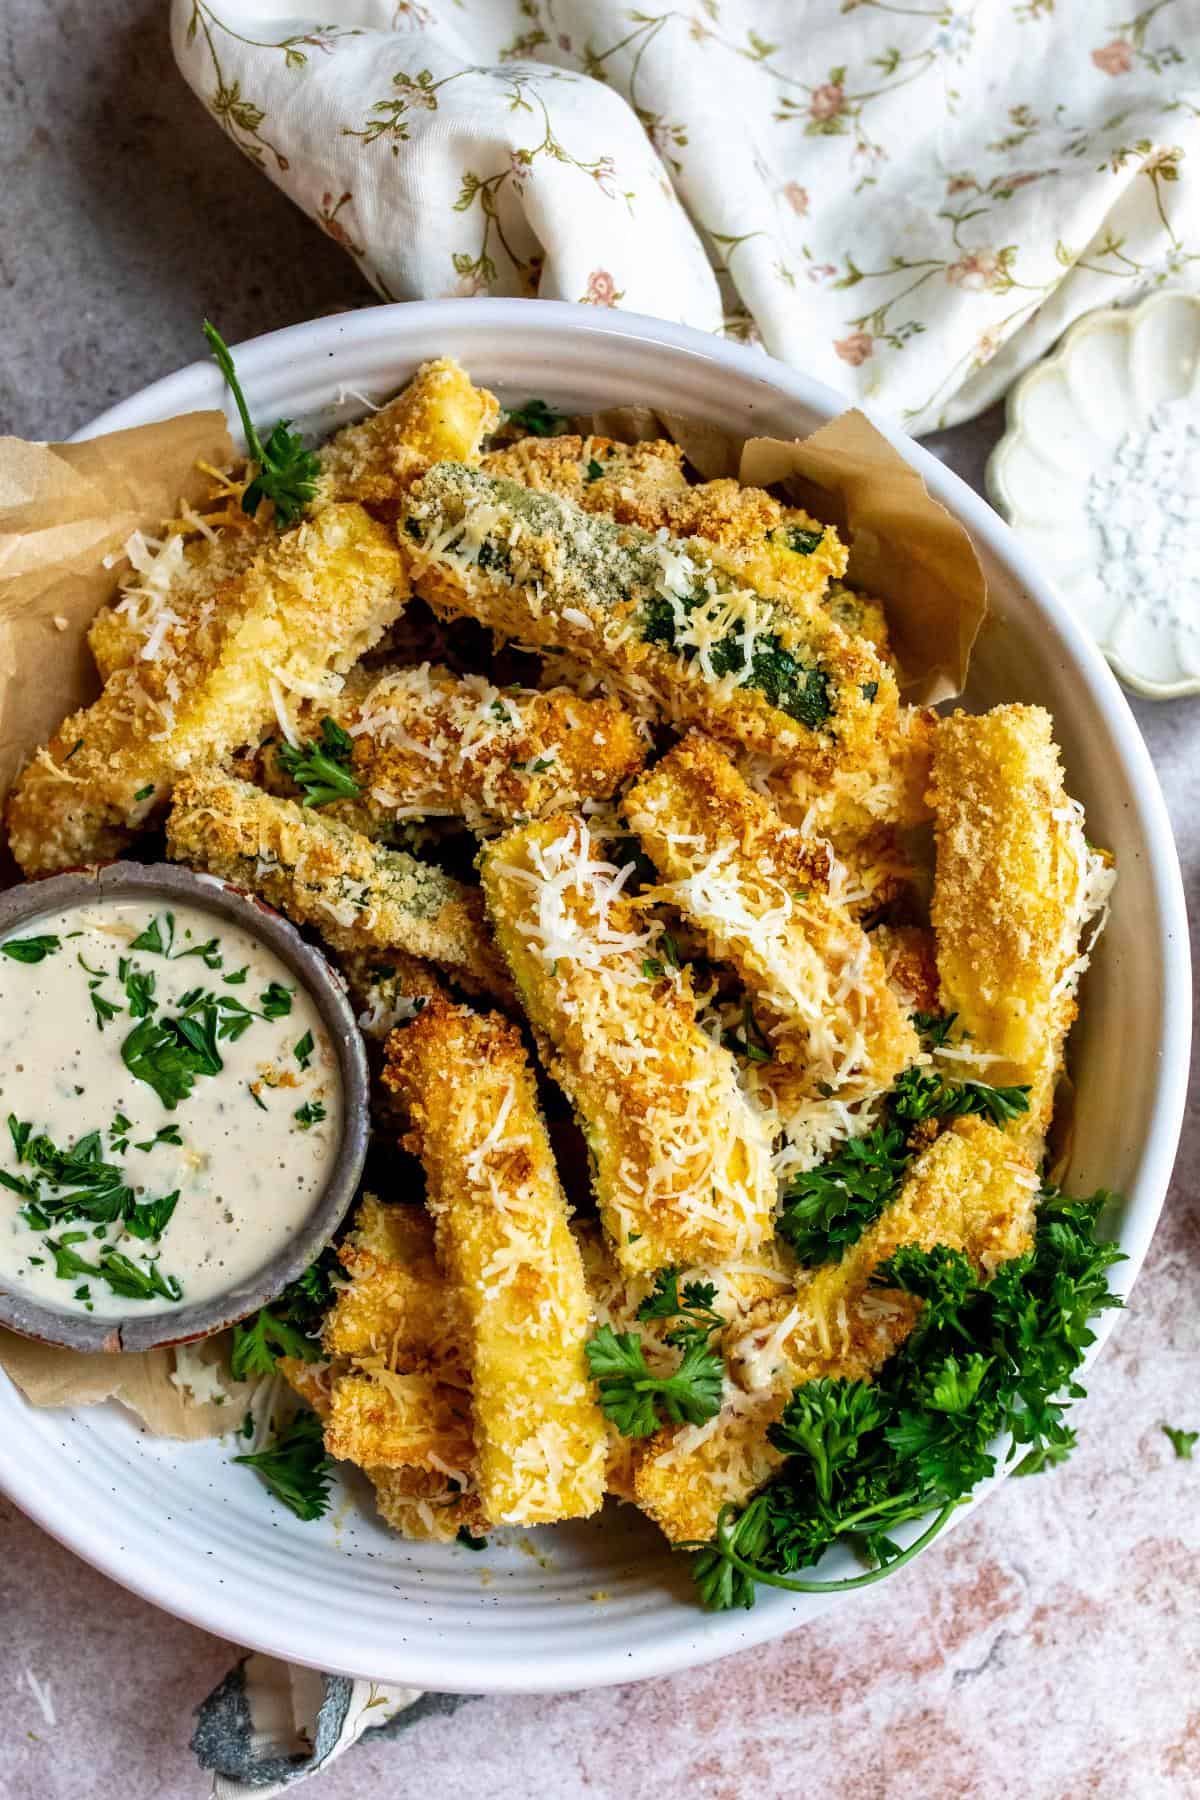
[360, 896]
[306, 608]
[429, 742]
[682, 1167]
[759, 891]
[439, 416]
[501, 1224]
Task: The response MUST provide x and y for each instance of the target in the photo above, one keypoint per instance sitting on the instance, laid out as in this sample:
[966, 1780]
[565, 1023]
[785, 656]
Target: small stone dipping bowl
[167, 882]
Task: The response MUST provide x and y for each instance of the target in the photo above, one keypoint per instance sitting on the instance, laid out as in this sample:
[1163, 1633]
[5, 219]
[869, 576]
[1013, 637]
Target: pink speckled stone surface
[1050, 1649]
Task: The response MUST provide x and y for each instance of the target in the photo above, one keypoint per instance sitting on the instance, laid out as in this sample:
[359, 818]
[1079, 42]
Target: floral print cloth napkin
[270, 1724]
[906, 198]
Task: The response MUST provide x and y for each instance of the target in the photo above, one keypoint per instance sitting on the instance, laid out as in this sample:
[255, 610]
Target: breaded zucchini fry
[971, 1190]
[681, 635]
[759, 892]
[777, 550]
[681, 1163]
[431, 743]
[909, 955]
[1015, 887]
[425, 1504]
[440, 416]
[397, 1303]
[359, 896]
[845, 802]
[169, 585]
[630, 482]
[386, 1419]
[503, 1239]
[416, 1502]
[303, 612]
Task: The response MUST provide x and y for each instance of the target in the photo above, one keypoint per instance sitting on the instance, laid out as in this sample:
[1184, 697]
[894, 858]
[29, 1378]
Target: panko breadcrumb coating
[502, 1235]
[396, 1303]
[862, 615]
[681, 1163]
[971, 1190]
[844, 802]
[759, 892]
[909, 955]
[167, 586]
[360, 896]
[429, 743]
[1016, 885]
[677, 633]
[302, 613]
[779, 550]
[440, 416]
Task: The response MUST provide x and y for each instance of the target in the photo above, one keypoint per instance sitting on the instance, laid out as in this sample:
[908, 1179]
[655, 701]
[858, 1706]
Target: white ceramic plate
[580, 1606]
[1079, 425]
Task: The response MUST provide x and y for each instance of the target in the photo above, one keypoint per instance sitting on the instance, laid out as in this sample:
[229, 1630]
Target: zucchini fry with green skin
[294, 621]
[358, 895]
[1016, 886]
[429, 743]
[778, 550]
[679, 635]
[759, 892]
[971, 1190]
[439, 417]
[681, 1162]
[504, 1241]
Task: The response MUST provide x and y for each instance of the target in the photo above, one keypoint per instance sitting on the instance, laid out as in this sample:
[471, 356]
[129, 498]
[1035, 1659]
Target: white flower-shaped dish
[1099, 471]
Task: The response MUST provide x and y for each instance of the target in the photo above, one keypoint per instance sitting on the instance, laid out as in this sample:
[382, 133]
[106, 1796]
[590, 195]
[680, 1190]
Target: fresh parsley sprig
[987, 1359]
[321, 770]
[286, 472]
[637, 1400]
[828, 1208]
[288, 1326]
[295, 1467]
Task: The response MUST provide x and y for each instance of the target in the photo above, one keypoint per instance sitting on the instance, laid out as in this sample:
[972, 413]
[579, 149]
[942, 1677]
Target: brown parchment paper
[65, 512]
[151, 1384]
[67, 509]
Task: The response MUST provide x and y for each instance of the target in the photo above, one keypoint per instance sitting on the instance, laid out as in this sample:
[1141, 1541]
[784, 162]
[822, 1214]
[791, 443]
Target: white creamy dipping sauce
[170, 1107]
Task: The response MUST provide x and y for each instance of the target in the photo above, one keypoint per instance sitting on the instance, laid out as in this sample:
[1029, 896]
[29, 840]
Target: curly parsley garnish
[829, 1207]
[295, 1467]
[286, 472]
[987, 1359]
[322, 770]
[638, 1401]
